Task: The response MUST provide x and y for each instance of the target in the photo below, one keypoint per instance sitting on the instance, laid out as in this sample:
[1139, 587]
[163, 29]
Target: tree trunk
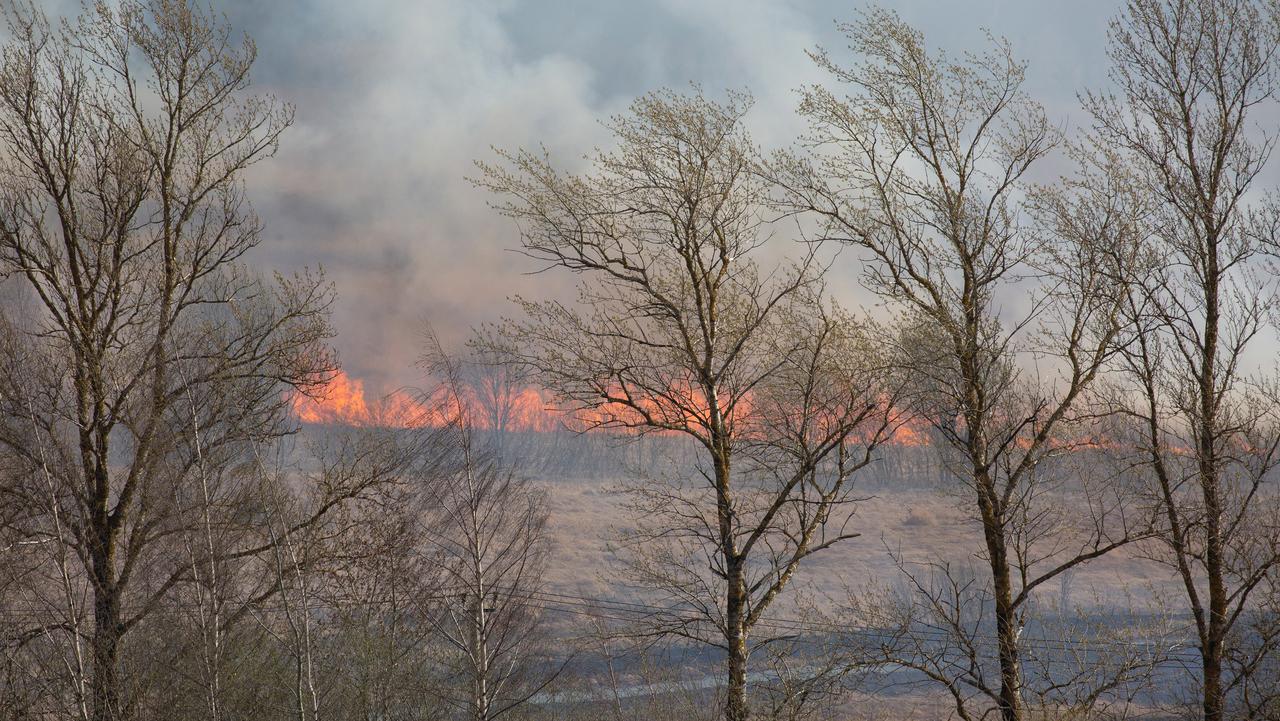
[107, 630]
[736, 708]
[1007, 627]
[1007, 638]
[735, 630]
[1211, 663]
[108, 627]
[1210, 433]
[479, 659]
[479, 621]
[1213, 651]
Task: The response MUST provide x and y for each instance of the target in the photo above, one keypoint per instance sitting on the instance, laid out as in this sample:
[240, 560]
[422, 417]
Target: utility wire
[632, 612]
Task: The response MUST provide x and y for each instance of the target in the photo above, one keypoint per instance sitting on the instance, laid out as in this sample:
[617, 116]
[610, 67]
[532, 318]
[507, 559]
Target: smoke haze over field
[396, 98]
[926, 360]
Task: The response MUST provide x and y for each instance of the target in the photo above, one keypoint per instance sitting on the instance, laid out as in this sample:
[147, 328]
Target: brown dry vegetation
[919, 522]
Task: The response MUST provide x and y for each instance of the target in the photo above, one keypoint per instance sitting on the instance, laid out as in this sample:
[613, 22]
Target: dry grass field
[920, 523]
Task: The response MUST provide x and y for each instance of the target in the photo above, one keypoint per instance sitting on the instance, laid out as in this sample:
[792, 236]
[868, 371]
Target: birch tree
[159, 356]
[920, 161]
[685, 324]
[486, 537]
[1192, 79]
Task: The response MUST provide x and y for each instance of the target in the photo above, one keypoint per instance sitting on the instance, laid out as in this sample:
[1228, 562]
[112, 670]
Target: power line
[632, 612]
[812, 626]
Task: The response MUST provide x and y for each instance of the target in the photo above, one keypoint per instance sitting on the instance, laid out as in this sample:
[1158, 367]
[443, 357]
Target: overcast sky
[396, 98]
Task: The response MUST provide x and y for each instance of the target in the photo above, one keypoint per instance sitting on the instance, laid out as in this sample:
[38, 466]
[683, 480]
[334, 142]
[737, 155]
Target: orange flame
[910, 434]
[344, 401]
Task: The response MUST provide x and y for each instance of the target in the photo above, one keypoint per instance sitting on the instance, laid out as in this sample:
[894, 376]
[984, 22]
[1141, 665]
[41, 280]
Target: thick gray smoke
[396, 98]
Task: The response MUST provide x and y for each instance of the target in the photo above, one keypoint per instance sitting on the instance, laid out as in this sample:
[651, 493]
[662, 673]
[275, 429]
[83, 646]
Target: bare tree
[487, 541]
[292, 558]
[937, 626]
[383, 653]
[681, 329]
[46, 613]
[1189, 77]
[499, 389]
[1253, 657]
[154, 360]
[923, 168]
